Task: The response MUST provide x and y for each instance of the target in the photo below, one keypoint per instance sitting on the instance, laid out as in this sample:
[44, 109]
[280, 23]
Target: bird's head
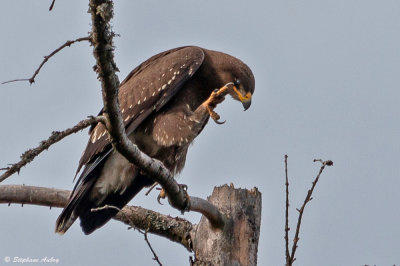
[240, 82]
[241, 92]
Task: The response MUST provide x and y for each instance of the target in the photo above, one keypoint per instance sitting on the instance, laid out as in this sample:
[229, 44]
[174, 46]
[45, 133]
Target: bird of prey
[165, 103]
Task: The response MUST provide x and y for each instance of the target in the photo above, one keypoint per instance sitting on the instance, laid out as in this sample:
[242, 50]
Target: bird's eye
[237, 82]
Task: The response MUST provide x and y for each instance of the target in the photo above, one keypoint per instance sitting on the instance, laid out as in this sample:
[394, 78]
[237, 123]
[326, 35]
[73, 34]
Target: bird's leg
[216, 97]
[185, 126]
[163, 194]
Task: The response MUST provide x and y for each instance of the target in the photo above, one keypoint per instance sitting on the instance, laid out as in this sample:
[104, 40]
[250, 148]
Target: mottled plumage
[165, 103]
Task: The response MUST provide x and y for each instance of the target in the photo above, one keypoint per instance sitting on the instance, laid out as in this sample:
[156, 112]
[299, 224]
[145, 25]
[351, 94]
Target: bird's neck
[214, 66]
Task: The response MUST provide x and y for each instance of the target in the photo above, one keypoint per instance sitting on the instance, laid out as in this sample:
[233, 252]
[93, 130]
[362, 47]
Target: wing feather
[145, 90]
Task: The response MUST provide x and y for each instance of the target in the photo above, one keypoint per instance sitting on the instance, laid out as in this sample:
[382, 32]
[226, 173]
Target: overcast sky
[327, 86]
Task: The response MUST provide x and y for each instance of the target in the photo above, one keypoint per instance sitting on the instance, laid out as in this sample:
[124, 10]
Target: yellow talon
[215, 98]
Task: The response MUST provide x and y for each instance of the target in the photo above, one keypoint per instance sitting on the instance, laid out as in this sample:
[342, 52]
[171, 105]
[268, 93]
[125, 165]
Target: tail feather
[64, 222]
[81, 205]
[92, 220]
[78, 200]
[77, 203]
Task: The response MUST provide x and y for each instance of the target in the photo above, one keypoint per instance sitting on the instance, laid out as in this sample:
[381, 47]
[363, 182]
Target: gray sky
[327, 86]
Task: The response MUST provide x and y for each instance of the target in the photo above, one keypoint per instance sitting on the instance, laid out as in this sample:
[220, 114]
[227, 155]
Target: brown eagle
[165, 103]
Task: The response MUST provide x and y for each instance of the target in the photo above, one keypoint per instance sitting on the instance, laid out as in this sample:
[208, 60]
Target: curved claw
[158, 200]
[161, 196]
[216, 118]
[216, 97]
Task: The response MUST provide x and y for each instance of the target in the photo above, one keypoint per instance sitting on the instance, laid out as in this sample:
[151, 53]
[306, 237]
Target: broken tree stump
[236, 243]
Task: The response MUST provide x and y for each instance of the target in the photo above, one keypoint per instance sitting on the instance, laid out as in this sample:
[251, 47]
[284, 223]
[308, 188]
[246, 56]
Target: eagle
[165, 103]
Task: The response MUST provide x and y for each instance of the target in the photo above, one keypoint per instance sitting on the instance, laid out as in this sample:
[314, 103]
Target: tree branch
[306, 200]
[102, 39]
[55, 137]
[288, 260]
[155, 257]
[212, 213]
[174, 229]
[46, 58]
[41, 196]
[52, 5]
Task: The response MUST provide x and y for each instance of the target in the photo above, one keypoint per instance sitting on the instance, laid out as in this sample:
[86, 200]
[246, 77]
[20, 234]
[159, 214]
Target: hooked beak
[246, 101]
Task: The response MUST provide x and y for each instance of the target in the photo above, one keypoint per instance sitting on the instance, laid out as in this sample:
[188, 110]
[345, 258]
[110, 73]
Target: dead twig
[151, 188]
[151, 248]
[291, 259]
[52, 5]
[132, 224]
[46, 58]
[55, 137]
[288, 261]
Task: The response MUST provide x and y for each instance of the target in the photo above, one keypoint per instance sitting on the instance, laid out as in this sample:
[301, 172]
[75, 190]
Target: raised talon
[216, 97]
[216, 117]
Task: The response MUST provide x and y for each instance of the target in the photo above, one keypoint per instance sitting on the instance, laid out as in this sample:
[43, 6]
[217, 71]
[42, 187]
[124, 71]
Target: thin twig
[288, 261]
[46, 58]
[151, 188]
[132, 224]
[52, 5]
[301, 210]
[151, 248]
[55, 137]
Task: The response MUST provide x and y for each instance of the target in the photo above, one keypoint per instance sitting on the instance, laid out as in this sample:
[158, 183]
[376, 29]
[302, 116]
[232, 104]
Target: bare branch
[174, 229]
[102, 39]
[34, 195]
[288, 260]
[211, 212]
[52, 5]
[301, 210]
[151, 188]
[46, 58]
[55, 137]
[151, 248]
